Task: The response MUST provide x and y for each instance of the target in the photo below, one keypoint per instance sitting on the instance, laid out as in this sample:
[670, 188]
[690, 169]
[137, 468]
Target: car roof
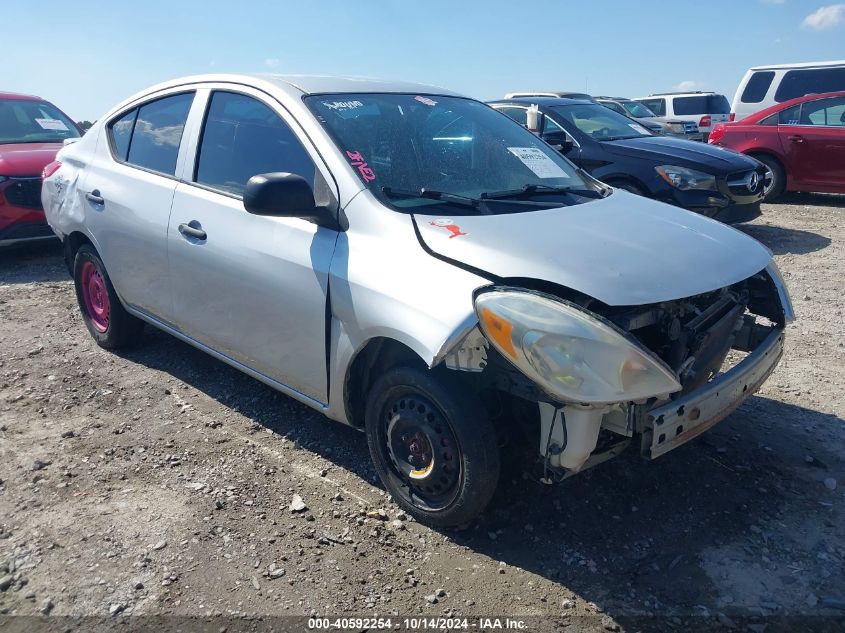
[19, 97]
[542, 101]
[801, 65]
[676, 94]
[566, 94]
[310, 84]
[762, 114]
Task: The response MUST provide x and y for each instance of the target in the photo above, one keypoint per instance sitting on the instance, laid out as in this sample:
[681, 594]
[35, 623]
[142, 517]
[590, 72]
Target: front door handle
[193, 229]
[94, 197]
[796, 138]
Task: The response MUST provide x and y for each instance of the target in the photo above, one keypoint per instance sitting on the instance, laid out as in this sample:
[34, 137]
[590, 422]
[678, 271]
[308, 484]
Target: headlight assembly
[570, 353]
[684, 179]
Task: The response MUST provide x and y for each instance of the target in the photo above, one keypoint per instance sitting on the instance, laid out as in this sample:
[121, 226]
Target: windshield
[24, 121]
[637, 109]
[454, 150]
[600, 123]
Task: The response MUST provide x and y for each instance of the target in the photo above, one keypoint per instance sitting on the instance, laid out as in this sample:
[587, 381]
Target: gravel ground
[160, 482]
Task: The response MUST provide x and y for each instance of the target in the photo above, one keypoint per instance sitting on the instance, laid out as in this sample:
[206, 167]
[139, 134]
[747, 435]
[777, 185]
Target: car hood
[678, 151]
[621, 250]
[26, 159]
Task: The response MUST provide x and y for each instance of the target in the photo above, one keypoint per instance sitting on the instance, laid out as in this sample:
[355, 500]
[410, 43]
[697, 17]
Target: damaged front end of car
[600, 377]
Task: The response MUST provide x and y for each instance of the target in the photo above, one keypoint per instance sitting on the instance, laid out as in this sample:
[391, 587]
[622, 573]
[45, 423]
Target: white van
[765, 86]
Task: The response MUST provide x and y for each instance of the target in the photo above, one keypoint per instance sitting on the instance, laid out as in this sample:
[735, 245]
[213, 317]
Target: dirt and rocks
[159, 481]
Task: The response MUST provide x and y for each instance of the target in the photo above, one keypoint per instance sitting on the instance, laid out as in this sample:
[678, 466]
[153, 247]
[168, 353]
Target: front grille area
[738, 183]
[24, 192]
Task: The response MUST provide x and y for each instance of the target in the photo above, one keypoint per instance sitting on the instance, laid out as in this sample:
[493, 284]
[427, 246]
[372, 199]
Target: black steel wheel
[433, 446]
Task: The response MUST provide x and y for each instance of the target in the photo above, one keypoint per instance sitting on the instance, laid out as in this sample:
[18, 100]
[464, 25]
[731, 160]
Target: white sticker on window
[51, 124]
[537, 161]
[342, 105]
[638, 128]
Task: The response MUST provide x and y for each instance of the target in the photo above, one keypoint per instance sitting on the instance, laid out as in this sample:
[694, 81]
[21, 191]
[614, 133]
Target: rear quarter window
[757, 87]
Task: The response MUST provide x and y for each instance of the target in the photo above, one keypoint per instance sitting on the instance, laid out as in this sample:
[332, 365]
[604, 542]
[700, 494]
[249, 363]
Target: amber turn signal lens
[499, 330]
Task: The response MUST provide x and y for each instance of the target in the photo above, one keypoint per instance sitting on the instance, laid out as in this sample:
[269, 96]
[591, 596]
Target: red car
[801, 141]
[31, 132]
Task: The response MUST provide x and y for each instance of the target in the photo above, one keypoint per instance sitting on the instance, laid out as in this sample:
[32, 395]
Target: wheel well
[72, 243]
[770, 155]
[377, 356]
[627, 179]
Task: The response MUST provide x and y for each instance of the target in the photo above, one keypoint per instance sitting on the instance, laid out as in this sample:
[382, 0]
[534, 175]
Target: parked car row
[615, 149]
[422, 267]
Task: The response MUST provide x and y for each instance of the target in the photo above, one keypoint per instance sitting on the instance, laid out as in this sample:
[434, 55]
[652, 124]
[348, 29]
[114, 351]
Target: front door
[251, 287]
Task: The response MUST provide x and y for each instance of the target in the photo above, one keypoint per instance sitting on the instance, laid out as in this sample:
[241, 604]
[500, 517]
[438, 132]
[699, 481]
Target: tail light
[705, 121]
[50, 169]
[716, 133]
[732, 117]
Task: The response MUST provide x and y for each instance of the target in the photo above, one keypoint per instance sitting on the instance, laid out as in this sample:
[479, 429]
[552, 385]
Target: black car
[715, 182]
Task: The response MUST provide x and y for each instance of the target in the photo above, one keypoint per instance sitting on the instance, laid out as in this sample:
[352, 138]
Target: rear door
[128, 192]
[253, 288]
[816, 146]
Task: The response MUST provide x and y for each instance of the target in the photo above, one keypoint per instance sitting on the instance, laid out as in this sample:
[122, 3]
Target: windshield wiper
[534, 189]
[432, 194]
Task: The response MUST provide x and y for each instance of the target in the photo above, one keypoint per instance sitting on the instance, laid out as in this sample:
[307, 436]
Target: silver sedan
[415, 264]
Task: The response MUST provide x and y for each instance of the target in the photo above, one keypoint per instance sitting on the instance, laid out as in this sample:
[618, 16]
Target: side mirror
[284, 195]
[561, 141]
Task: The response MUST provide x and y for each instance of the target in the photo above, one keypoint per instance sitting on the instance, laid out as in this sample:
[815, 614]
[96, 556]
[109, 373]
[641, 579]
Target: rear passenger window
[242, 138]
[797, 83]
[157, 133]
[149, 136]
[757, 87]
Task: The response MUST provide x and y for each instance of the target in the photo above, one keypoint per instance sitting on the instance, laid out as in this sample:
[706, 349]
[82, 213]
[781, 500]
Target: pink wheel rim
[96, 297]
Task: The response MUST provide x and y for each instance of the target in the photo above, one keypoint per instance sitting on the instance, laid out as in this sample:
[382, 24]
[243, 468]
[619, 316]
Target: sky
[87, 56]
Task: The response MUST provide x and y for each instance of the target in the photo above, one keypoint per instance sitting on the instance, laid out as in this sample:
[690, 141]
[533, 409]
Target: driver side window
[241, 138]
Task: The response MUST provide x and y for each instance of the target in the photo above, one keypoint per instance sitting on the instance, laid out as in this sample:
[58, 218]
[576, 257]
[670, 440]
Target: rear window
[797, 83]
[757, 87]
[701, 104]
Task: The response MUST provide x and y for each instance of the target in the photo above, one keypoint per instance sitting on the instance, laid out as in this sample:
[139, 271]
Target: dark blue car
[715, 182]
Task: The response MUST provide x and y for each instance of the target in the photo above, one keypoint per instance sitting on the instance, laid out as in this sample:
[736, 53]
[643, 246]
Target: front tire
[433, 446]
[628, 186]
[105, 317]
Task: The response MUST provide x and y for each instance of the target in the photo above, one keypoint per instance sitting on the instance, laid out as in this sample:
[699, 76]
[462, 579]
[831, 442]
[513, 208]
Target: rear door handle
[796, 138]
[95, 197]
[193, 229]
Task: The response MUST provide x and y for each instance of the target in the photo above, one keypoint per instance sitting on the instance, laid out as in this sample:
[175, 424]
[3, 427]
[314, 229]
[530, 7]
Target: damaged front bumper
[677, 422]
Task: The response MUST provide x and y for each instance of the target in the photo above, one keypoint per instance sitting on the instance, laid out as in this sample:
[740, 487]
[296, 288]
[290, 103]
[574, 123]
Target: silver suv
[706, 109]
[639, 112]
[419, 266]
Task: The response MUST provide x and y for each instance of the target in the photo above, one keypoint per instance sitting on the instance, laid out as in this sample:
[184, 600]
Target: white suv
[705, 108]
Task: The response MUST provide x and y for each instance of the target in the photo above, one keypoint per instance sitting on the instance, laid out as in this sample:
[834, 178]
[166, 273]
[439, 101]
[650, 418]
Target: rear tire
[778, 183]
[104, 315]
[433, 446]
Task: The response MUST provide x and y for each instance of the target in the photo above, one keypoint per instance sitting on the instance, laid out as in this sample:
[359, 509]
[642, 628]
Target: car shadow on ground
[783, 241]
[628, 532]
[32, 262]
